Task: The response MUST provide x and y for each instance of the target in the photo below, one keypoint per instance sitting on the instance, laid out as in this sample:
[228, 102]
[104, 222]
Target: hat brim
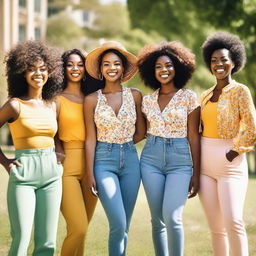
[92, 62]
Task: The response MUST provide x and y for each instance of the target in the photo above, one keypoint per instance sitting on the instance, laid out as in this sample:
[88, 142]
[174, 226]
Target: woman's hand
[60, 157]
[92, 185]
[231, 155]
[10, 163]
[194, 186]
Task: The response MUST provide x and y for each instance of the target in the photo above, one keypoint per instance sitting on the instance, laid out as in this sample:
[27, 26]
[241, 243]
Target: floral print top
[114, 128]
[236, 117]
[172, 121]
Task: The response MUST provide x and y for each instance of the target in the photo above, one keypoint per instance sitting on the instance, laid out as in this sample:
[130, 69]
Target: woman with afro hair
[34, 76]
[78, 203]
[171, 156]
[228, 131]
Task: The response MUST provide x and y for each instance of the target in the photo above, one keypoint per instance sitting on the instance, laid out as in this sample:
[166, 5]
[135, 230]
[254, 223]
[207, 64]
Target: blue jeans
[117, 175]
[166, 168]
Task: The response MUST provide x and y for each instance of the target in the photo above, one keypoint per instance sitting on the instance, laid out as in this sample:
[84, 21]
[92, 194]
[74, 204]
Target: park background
[84, 24]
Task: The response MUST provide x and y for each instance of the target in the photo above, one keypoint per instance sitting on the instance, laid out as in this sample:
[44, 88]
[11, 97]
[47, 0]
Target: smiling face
[221, 64]
[111, 67]
[164, 69]
[75, 68]
[37, 75]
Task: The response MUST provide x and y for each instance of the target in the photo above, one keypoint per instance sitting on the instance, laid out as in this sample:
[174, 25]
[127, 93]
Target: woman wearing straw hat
[114, 122]
[170, 159]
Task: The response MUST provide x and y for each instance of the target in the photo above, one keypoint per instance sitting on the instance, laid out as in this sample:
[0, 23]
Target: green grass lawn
[140, 244]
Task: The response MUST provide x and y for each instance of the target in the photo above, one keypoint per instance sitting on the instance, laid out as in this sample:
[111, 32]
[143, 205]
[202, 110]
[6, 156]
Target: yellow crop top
[34, 128]
[71, 121]
[209, 120]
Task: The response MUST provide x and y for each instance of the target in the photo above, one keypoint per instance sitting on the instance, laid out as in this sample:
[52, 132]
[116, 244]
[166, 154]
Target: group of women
[73, 111]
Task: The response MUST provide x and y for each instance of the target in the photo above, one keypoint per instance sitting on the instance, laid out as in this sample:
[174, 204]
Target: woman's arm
[60, 153]
[90, 102]
[140, 126]
[8, 112]
[246, 138]
[59, 150]
[195, 147]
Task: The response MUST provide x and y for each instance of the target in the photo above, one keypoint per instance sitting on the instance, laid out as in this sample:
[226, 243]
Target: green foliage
[236, 16]
[111, 20]
[191, 21]
[63, 32]
[174, 20]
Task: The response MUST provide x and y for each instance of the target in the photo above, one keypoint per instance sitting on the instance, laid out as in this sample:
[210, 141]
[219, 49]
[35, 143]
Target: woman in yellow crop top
[78, 203]
[34, 75]
[229, 130]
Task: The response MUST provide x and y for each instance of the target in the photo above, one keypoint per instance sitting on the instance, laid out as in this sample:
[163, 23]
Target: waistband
[115, 145]
[154, 139]
[34, 152]
[75, 144]
[216, 142]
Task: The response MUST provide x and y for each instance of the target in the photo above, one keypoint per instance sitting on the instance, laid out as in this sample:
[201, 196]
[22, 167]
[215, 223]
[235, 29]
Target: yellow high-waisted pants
[78, 203]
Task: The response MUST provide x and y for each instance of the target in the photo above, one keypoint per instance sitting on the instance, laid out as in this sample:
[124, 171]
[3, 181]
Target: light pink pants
[222, 194]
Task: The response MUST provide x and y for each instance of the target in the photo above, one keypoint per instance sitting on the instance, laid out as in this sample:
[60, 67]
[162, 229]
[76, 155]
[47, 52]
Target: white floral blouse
[114, 128]
[172, 121]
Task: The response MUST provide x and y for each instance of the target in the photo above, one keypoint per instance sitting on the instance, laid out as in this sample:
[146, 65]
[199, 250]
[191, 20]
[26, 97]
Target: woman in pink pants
[228, 131]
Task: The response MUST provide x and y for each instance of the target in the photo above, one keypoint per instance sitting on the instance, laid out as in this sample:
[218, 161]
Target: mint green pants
[34, 196]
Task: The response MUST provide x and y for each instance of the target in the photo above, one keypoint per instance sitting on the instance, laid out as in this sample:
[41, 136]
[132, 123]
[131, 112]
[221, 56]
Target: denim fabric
[117, 175]
[166, 169]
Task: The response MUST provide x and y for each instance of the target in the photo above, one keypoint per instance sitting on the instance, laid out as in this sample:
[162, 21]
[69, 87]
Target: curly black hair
[225, 40]
[183, 60]
[24, 55]
[88, 83]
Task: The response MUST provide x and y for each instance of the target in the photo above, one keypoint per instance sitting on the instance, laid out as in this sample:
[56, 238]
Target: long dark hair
[88, 83]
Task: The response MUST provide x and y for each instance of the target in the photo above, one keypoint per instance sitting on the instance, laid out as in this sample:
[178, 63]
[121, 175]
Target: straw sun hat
[92, 60]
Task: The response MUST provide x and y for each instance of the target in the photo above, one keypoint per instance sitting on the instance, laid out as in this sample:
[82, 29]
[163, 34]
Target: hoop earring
[100, 76]
[122, 76]
[84, 78]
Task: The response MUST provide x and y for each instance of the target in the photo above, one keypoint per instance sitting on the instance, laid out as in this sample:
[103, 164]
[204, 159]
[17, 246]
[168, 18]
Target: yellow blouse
[236, 117]
[209, 120]
[71, 122]
[34, 128]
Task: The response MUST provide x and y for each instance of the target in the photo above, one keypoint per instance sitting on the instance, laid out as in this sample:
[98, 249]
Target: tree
[111, 20]
[63, 32]
[236, 16]
[191, 21]
[174, 20]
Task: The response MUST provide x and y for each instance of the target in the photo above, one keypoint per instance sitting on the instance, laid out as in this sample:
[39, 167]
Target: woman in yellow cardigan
[229, 130]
